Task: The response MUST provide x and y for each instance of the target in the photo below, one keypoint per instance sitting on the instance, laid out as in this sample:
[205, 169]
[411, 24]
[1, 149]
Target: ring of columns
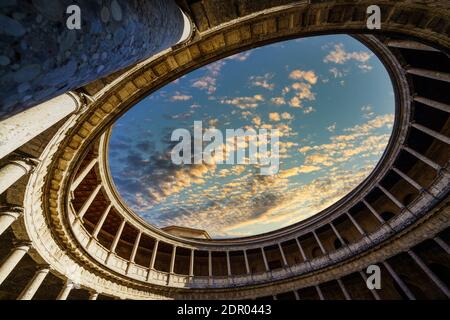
[73, 222]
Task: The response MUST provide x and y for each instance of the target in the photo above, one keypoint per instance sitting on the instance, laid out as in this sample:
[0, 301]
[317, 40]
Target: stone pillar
[134, 251]
[136, 246]
[430, 273]
[21, 128]
[319, 292]
[13, 171]
[17, 253]
[100, 222]
[191, 263]
[344, 290]
[304, 257]
[117, 237]
[432, 133]
[88, 202]
[374, 212]
[83, 174]
[432, 103]
[391, 196]
[33, 286]
[93, 295]
[297, 296]
[283, 257]
[408, 179]
[442, 244]
[8, 215]
[422, 158]
[52, 55]
[247, 267]
[266, 265]
[210, 264]
[172, 260]
[153, 258]
[356, 224]
[65, 291]
[322, 248]
[399, 281]
[338, 235]
[228, 264]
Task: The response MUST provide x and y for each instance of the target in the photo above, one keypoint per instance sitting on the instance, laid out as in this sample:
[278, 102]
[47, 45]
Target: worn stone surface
[41, 58]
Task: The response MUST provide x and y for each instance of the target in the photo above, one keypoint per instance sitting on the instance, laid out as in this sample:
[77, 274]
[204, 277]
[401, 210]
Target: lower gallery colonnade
[65, 233]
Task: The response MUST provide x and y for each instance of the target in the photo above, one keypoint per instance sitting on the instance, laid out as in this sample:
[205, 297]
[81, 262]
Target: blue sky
[331, 100]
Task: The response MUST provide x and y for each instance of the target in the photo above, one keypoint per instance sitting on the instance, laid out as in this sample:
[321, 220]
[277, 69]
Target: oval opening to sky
[327, 101]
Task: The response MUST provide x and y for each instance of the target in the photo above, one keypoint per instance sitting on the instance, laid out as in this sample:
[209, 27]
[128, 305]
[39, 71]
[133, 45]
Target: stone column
[100, 222]
[247, 266]
[266, 264]
[319, 292]
[344, 290]
[399, 281]
[172, 260]
[8, 215]
[300, 248]
[65, 291]
[338, 235]
[422, 158]
[210, 264]
[153, 258]
[111, 36]
[88, 202]
[430, 273]
[33, 286]
[228, 264]
[356, 224]
[13, 171]
[21, 128]
[17, 253]
[83, 174]
[283, 257]
[191, 263]
[322, 248]
[374, 212]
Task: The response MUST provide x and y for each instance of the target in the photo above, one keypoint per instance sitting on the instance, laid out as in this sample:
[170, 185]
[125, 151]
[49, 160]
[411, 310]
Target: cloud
[243, 102]
[278, 101]
[274, 116]
[297, 170]
[262, 81]
[295, 102]
[331, 128]
[257, 121]
[340, 56]
[180, 97]
[243, 56]
[338, 73]
[308, 110]
[303, 91]
[309, 76]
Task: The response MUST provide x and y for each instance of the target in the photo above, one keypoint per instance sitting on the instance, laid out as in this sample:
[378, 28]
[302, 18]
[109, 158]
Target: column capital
[22, 244]
[8, 209]
[81, 100]
[43, 267]
[27, 163]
